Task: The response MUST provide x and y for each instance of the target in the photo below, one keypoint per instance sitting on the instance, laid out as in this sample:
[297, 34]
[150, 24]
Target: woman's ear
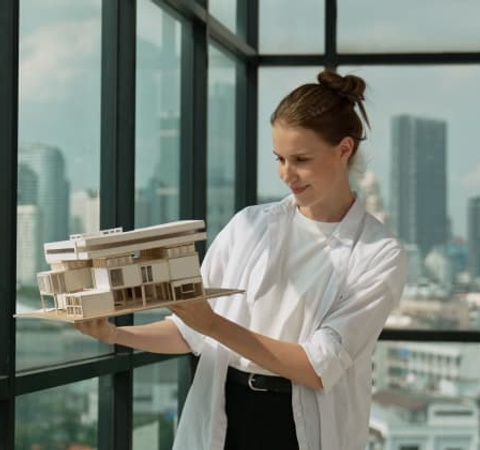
[346, 148]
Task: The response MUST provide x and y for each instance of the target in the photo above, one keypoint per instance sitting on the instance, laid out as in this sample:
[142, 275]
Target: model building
[116, 272]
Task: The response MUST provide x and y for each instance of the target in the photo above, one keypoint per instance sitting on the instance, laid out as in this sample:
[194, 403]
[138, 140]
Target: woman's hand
[100, 329]
[197, 315]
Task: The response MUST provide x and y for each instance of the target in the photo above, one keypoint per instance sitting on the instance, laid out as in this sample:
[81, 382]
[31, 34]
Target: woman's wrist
[112, 335]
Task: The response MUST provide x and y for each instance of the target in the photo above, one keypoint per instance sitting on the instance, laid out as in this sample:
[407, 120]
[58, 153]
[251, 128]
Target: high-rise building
[367, 184]
[85, 211]
[29, 245]
[158, 128]
[52, 188]
[419, 181]
[473, 231]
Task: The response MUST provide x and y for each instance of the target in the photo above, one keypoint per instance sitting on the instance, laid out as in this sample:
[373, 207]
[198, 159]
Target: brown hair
[327, 108]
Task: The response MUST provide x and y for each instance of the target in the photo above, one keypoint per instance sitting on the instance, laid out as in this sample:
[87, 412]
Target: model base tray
[61, 314]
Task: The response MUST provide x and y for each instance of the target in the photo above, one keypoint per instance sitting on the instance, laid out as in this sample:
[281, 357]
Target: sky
[60, 78]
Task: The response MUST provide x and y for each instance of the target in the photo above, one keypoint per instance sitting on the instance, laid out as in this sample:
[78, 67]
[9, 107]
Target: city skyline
[50, 83]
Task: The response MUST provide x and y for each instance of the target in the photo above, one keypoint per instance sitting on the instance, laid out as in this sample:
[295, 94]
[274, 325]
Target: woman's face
[315, 171]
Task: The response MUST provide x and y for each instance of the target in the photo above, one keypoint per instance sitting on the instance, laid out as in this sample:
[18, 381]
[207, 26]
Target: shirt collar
[348, 229]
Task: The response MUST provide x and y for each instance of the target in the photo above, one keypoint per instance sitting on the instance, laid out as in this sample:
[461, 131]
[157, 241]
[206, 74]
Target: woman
[289, 366]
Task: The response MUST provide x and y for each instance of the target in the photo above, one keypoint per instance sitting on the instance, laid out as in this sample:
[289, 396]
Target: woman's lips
[298, 190]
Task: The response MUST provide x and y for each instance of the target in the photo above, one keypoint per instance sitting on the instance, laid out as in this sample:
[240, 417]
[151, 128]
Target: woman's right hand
[100, 329]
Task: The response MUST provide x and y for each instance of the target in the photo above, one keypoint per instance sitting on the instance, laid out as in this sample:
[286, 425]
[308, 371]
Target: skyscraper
[29, 245]
[419, 182]
[52, 196]
[473, 231]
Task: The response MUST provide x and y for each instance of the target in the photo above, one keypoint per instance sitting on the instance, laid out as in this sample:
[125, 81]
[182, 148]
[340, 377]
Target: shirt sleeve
[357, 318]
[194, 339]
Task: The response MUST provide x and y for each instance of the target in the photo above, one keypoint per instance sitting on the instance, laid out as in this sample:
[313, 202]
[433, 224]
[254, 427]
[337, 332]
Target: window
[116, 277]
[58, 158]
[58, 418]
[221, 140]
[147, 275]
[157, 137]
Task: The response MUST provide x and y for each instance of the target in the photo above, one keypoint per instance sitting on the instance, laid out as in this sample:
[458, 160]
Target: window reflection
[157, 143]
[155, 405]
[58, 160]
[157, 146]
[221, 140]
[61, 418]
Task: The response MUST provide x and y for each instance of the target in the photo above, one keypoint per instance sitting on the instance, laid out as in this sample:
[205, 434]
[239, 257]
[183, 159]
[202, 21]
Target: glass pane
[408, 26]
[224, 11]
[157, 116]
[422, 178]
[155, 405]
[59, 157]
[220, 140]
[61, 418]
[291, 27]
[157, 147]
[273, 85]
[425, 396]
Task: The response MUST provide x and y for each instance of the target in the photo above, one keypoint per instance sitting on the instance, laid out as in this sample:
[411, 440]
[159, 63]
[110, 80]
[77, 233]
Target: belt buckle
[251, 379]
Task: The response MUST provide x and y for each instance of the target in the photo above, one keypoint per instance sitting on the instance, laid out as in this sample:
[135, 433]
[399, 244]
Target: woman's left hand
[196, 314]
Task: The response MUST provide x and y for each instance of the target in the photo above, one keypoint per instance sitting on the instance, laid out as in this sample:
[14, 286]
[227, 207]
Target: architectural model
[113, 272]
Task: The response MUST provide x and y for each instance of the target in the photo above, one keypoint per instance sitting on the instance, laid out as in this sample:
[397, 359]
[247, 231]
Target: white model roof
[115, 242]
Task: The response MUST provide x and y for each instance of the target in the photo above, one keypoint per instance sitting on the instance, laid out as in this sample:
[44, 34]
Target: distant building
[29, 226]
[29, 245]
[473, 239]
[85, 211]
[415, 264]
[370, 192]
[404, 421]
[159, 201]
[439, 267]
[447, 370]
[419, 182]
[52, 188]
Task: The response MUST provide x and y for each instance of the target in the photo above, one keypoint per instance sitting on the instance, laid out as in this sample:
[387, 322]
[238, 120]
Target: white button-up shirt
[338, 332]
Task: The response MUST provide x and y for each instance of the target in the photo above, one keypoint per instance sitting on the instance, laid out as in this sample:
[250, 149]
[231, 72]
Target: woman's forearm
[158, 337]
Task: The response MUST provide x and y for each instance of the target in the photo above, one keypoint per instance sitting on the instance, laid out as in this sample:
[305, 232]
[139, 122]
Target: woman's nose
[287, 173]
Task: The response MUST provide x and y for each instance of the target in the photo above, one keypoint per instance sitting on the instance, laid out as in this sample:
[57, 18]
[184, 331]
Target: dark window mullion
[193, 149]
[331, 34]
[461, 336]
[9, 26]
[193, 124]
[246, 136]
[117, 192]
[246, 110]
[374, 59]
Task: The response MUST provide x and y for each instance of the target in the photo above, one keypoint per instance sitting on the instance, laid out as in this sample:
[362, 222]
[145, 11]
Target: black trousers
[258, 420]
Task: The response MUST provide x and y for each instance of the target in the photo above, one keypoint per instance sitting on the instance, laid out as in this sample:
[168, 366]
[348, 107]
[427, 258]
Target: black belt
[259, 382]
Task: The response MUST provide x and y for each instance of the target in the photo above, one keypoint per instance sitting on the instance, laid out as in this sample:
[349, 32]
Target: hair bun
[350, 87]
